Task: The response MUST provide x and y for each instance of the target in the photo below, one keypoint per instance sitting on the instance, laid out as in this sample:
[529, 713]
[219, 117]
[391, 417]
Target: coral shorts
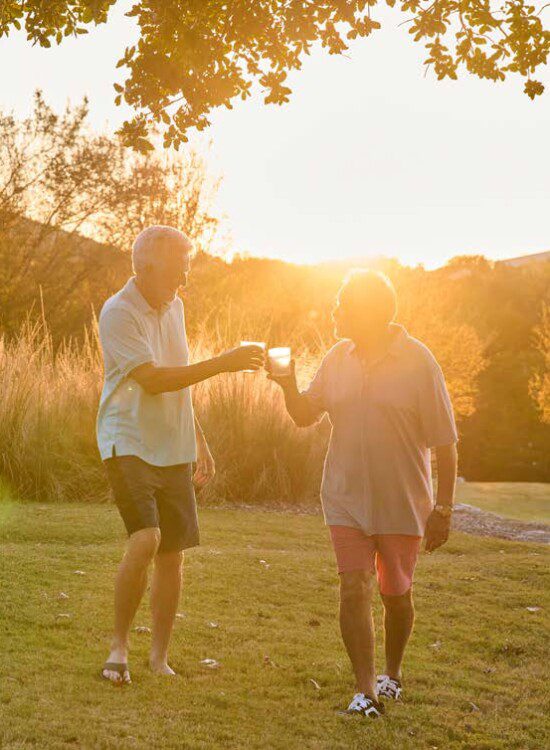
[391, 556]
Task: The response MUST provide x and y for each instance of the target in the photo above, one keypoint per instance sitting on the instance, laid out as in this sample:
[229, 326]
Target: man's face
[341, 317]
[355, 322]
[171, 272]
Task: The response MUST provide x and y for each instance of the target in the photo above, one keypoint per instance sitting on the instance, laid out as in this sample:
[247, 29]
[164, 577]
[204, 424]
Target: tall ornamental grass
[48, 405]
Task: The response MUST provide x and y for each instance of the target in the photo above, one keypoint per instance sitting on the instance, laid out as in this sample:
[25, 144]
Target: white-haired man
[149, 438]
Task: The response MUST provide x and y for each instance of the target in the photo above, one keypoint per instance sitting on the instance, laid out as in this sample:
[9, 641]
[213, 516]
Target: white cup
[261, 344]
[279, 360]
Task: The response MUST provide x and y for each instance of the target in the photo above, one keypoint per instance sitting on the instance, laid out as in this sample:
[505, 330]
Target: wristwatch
[446, 511]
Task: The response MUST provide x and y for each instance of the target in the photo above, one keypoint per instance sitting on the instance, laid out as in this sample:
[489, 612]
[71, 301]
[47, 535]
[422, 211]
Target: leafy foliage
[59, 183]
[193, 56]
[540, 382]
[505, 437]
[57, 179]
[478, 318]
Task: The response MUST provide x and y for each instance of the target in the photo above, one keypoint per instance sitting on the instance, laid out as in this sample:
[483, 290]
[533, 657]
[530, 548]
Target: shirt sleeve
[122, 341]
[436, 411]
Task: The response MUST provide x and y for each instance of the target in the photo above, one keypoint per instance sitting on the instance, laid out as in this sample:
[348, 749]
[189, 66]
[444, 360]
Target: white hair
[148, 245]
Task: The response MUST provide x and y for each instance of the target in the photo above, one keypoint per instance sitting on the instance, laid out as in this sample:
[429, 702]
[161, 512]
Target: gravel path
[473, 520]
[466, 518]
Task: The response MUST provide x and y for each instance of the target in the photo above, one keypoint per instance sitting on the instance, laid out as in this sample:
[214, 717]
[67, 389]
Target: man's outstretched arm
[157, 380]
[297, 404]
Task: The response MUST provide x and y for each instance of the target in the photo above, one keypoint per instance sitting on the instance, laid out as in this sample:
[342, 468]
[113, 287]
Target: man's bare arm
[447, 460]
[206, 466]
[199, 432]
[157, 380]
[297, 404]
[438, 526]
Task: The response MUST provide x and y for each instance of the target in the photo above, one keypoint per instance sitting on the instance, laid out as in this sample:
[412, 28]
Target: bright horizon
[370, 157]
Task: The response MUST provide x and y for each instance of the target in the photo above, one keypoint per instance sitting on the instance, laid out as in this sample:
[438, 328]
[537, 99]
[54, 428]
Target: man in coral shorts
[388, 404]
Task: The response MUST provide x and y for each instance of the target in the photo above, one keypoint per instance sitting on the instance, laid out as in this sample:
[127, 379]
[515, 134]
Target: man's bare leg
[130, 584]
[398, 625]
[357, 627]
[165, 596]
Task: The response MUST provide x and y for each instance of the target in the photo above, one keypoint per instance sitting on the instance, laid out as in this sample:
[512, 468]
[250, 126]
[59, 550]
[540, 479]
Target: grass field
[526, 501]
[476, 675]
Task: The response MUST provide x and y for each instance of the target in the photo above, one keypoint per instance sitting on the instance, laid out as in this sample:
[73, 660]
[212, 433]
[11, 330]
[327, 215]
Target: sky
[370, 157]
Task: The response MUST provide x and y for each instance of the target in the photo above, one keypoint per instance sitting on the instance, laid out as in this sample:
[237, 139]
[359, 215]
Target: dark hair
[371, 290]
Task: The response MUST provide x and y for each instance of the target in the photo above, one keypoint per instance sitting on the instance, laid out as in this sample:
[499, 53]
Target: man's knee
[400, 604]
[169, 561]
[143, 545]
[356, 588]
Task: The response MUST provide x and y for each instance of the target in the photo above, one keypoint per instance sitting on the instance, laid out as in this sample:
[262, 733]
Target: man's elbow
[152, 388]
[149, 379]
[149, 385]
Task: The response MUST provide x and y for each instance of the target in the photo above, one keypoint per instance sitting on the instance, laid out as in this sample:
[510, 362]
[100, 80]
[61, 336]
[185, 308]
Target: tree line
[71, 201]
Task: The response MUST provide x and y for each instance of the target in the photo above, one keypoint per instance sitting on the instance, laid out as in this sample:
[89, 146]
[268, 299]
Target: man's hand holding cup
[250, 357]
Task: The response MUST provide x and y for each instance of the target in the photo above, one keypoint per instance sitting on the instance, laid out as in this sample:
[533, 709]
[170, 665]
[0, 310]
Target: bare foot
[161, 667]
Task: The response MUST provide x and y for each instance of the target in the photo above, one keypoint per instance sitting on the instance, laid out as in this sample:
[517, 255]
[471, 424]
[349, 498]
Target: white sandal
[387, 687]
[365, 706]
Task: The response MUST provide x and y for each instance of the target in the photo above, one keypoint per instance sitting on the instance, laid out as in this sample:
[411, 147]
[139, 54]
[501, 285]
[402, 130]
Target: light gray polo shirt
[157, 428]
[385, 418]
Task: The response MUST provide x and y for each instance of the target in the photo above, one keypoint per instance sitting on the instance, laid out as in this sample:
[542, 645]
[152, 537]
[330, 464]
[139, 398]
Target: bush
[48, 406]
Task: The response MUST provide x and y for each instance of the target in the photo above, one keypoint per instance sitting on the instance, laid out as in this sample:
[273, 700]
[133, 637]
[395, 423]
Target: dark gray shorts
[156, 496]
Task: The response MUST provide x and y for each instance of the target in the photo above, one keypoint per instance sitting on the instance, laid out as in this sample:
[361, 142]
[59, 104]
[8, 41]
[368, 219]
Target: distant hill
[525, 260]
[64, 274]
[464, 266]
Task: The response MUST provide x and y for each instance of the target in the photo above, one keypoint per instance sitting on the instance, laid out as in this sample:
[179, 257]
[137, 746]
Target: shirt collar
[132, 291]
[399, 338]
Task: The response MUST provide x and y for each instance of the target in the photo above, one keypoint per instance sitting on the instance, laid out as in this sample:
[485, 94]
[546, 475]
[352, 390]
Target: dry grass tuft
[48, 405]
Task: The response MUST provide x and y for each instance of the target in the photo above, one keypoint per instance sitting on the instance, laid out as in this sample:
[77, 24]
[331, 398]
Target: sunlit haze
[370, 157]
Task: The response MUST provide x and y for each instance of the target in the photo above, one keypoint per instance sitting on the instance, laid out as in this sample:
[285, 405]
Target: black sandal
[120, 669]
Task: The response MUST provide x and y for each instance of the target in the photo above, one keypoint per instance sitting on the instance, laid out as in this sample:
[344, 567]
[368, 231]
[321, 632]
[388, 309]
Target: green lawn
[476, 674]
[526, 501]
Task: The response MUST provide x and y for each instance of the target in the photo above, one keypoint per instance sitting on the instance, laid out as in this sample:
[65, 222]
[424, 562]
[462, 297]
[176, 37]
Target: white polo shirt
[385, 418]
[159, 428]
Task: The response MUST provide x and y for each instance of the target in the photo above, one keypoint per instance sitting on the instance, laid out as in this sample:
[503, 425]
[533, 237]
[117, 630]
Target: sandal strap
[113, 666]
